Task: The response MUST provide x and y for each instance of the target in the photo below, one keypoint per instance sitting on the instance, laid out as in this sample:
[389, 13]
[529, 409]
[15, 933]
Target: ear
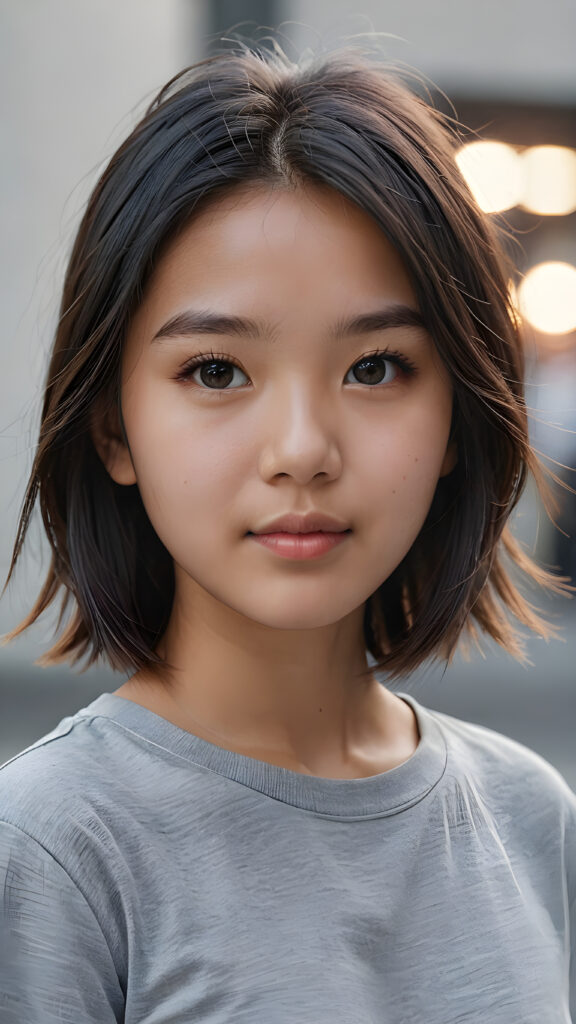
[450, 458]
[108, 439]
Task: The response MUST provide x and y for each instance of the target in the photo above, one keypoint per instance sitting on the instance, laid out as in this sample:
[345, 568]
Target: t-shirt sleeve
[55, 963]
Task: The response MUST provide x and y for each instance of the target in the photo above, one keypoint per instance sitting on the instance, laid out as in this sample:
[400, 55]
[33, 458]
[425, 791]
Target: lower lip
[300, 545]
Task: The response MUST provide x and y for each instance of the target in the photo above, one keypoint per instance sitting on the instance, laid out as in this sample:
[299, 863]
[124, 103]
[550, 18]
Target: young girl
[283, 431]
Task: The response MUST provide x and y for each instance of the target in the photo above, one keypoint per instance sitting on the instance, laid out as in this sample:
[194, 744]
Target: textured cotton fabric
[152, 877]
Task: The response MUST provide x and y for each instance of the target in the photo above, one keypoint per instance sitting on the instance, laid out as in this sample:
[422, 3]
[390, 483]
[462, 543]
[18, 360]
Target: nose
[300, 438]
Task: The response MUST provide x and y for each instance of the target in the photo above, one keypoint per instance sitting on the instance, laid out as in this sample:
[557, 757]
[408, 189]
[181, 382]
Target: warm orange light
[493, 172]
[549, 180]
[547, 297]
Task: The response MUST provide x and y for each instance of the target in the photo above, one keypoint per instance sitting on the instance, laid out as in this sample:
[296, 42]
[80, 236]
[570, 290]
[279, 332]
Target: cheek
[405, 492]
[403, 469]
[183, 470]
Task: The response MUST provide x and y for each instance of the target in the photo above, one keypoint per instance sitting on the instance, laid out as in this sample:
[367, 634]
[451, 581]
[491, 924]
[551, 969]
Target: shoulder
[59, 864]
[65, 791]
[61, 809]
[516, 795]
[507, 771]
[67, 758]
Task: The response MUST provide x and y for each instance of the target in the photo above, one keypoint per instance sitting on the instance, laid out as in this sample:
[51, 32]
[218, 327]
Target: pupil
[219, 373]
[378, 370]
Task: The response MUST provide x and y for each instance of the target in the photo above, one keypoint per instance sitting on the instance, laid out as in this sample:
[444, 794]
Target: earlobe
[450, 459]
[111, 447]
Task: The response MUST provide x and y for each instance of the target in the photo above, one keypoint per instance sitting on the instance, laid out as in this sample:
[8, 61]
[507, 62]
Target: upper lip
[312, 522]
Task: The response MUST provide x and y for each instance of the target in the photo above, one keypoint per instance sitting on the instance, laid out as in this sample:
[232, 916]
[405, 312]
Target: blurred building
[77, 76]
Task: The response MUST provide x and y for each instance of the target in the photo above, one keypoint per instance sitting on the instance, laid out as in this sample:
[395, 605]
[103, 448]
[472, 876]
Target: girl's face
[292, 413]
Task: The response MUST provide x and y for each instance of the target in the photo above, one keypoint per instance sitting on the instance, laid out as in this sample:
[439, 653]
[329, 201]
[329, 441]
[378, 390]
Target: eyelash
[407, 367]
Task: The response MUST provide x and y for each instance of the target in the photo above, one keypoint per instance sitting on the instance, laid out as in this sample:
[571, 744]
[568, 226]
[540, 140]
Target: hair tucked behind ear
[247, 117]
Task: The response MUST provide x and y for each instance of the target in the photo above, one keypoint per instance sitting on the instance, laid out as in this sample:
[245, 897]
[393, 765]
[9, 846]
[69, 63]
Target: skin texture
[266, 650]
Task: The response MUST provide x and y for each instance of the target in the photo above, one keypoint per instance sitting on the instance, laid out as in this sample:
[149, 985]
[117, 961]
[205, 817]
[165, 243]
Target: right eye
[215, 371]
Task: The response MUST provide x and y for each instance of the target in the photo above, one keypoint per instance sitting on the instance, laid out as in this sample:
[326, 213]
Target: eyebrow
[204, 321]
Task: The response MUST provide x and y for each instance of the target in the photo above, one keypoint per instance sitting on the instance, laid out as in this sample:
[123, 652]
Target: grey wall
[74, 77]
[510, 49]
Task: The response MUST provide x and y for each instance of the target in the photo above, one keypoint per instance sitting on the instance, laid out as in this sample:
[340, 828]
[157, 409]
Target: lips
[312, 522]
[300, 546]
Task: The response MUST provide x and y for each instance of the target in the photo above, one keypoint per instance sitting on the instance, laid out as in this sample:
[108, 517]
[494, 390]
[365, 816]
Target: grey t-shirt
[152, 877]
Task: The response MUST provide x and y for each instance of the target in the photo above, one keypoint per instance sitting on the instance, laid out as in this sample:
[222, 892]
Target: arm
[55, 963]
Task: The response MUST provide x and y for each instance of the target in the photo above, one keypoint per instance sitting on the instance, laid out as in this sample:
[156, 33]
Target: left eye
[375, 370]
[216, 372]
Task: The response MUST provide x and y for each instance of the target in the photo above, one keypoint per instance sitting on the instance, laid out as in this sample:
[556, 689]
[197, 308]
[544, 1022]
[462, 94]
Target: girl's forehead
[265, 196]
[301, 238]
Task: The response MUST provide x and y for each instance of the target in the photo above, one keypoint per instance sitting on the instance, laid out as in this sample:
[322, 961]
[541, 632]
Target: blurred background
[78, 76]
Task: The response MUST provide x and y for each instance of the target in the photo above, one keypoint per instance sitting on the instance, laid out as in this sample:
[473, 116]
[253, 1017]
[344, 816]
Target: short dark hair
[343, 120]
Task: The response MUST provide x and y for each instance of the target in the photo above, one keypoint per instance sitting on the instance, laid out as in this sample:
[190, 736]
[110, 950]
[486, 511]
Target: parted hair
[345, 120]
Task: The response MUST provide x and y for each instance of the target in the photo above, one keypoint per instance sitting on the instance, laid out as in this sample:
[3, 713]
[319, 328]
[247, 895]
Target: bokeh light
[547, 297]
[494, 174]
[549, 180]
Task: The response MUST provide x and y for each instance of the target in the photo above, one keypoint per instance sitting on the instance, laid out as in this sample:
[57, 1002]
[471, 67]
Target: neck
[303, 699]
